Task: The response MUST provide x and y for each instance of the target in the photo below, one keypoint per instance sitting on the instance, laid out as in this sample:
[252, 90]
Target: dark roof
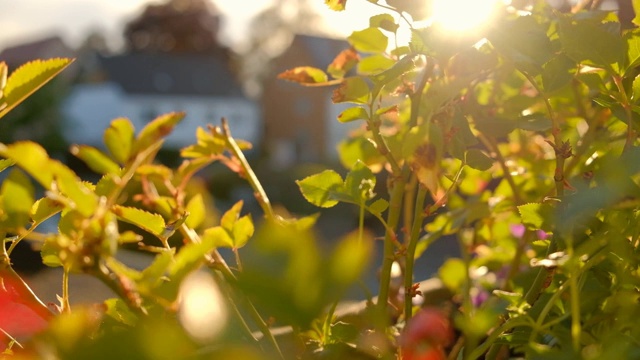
[153, 73]
[40, 49]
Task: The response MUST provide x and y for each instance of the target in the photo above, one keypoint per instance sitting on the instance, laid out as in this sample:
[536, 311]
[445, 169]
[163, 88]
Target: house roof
[154, 74]
[46, 48]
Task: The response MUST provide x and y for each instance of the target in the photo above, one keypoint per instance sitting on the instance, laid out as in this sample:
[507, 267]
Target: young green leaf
[152, 223]
[321, 189]
[370, 40]
[32, 158]
[156, 130]
[374, 64]
[352, 114]
[197, 211]
[536, 216]
[119, 138]
[384, 22]
[95, 159]
[17, 194]
[44, 208]
[353, 89]
[360, 182]
[28, 78]
[453, 274]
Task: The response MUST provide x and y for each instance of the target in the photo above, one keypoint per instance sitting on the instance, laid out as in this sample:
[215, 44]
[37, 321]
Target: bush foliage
[518, 142]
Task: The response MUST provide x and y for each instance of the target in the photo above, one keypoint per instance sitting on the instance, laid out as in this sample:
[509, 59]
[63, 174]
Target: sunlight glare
[202, 311]
[463, 15]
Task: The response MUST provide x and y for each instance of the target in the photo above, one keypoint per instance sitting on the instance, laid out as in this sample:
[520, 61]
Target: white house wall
[90, 108]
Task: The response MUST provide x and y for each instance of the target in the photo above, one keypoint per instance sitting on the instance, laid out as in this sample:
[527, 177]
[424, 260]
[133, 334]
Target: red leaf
[344, 62]
[304, 75]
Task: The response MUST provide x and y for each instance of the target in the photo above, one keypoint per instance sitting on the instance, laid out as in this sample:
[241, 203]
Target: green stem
[66, 307]
[418, 218]
[631, 134]
[395, 207]
[251, 177]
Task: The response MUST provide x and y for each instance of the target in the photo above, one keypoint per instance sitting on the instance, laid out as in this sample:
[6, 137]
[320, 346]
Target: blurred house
[300, 122]
[143, 85]
[47, 48]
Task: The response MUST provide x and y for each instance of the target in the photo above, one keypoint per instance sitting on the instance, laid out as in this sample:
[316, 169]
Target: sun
[463, 15]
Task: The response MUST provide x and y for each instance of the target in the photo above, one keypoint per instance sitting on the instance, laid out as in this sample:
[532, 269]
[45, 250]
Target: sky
[25, 20]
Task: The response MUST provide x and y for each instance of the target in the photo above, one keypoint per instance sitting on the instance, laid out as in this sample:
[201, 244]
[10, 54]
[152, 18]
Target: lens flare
[463, 15]
[202, 310]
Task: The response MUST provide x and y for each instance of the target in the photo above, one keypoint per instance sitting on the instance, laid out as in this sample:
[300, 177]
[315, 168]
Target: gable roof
[171, 74]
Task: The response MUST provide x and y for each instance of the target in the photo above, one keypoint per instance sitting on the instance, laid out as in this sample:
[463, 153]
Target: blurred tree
[176, 26]
[271, 33]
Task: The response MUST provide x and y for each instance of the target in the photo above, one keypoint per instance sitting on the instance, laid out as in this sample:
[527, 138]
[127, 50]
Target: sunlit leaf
[536, 215]
[378, 206]
[605, 47]
[320, 189]
[45, 208]
[384, 22]
[147, 221]
[119, 138]
[156, 130]
[28, 78]
[336, 5]
[197, 211]
[343, 63]
[17, 194]
[374, 64]
[360, 182]
[304, 75]
[95, 159]
[370, 40]
[353, 89]
[557, 73]
[352, 114]
[218, 236]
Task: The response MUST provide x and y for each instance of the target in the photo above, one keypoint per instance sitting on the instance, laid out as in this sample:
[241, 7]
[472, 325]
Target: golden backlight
[463, 15]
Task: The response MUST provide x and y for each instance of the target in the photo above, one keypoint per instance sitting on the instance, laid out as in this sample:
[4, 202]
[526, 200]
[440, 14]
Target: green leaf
[117, 309]
[189, 258]
[375, 64]
[95, 159]
[197, 211]
[370, 40]
[360, 182]
[129, 237]
[636, 9]
[82, 196]
[119, 138]
[32, 158]
[44, 208]
[557, 73]
[336, 5]
[350, 258]
[152, 223]
[478, 160]
[384, 22]
[208, 145]
[352, 114]
[536, 216]
[231, 216]
[530, 54]
[156, 130]
[353, 89]
[17, 194]
[5, 163]
[51, 249]
[592, 43]
[28, 78]
[304, 75]
[320, 189]
[154, 273]
[453, 274]
[218, 236]
[632, 39]
[635, 95]
[242, 231]
[378, 206]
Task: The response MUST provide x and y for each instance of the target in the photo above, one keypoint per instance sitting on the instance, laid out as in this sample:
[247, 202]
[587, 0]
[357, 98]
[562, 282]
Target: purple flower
[517, 230]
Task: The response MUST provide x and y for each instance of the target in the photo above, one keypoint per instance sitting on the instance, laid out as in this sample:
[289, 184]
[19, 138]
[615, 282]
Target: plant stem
[66, 308]
[395, 207]
[251, 177]
[418, 218]
[631, 134]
